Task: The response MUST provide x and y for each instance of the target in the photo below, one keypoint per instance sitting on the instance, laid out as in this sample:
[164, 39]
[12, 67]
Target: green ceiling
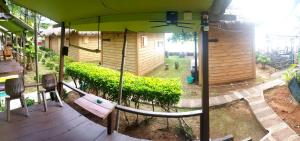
[117, 14]
[15, 26]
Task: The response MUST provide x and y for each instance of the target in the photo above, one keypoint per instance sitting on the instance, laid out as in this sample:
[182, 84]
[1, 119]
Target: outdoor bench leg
[109, 124]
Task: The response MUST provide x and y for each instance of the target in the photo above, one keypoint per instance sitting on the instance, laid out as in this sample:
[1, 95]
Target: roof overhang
[16, 26]
[116, 15]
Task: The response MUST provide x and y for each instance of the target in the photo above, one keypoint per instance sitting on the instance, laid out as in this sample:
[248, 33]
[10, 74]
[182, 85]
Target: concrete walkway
[277, 129]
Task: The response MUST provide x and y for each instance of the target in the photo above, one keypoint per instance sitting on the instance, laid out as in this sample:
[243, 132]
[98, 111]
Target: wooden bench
[98, 106]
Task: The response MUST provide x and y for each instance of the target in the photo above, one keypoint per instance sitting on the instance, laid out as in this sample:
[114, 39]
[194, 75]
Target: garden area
[285, 99]
[159, 94]
[48, 62]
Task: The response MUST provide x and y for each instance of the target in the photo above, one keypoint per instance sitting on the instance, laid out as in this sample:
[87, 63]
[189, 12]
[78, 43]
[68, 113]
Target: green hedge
[136, 88]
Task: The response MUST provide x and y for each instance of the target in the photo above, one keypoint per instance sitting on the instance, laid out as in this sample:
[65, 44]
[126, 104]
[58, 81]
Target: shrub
[40, 77]
[68, 60]
[40, 55]
[54, 58]
[290, 73]
[50, 65]
[165, 92]
[263, 59]
[56, 68]
[43, 61]
[29, 101]
[45, 49]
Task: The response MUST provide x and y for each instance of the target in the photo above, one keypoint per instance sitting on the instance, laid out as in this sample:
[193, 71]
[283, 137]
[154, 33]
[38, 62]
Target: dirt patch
[280, 99]
[233, 119]
[236, 119]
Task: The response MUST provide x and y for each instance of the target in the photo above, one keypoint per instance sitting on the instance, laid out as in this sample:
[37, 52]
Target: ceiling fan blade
[159, 26]
[158, 21]
[184, 23]
[184, 27]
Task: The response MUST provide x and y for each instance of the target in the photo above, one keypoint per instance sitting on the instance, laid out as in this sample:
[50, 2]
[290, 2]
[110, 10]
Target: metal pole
[204, 118]
[61, 60]
[36, 58]
[196, 58]
[121, 78]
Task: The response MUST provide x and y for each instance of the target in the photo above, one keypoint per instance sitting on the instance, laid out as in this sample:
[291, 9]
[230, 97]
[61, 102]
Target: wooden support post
[61, 60]
[204, 118]
[196, 58]
[12, 39]
[109, 124]
[121, 78]
[24, 53]
[36, 58]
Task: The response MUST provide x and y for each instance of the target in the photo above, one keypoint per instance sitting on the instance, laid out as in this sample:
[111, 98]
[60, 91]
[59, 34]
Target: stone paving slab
[277, 128]
[270, 121]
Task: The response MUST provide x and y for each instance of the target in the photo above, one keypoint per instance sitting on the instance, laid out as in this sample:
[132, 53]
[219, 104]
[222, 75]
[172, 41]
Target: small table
[103, 110]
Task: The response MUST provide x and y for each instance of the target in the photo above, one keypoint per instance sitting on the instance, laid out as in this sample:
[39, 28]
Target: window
[144, 41]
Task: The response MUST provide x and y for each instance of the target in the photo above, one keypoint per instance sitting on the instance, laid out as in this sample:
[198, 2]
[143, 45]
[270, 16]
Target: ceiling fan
[172, 19]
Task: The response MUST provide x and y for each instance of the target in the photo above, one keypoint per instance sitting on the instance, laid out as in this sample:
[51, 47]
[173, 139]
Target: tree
[181, 37]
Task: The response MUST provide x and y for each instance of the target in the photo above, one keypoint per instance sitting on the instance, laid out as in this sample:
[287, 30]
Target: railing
[144, 112]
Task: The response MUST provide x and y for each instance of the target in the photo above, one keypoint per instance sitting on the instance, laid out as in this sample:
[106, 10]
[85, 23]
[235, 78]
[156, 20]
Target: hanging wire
[69, 36]
[98, 32]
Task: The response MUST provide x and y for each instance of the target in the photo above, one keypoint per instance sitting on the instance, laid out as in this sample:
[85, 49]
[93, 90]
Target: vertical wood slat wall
[76, 54]
[150, 56]
[112, 51]
[139, 60]
[232, 58]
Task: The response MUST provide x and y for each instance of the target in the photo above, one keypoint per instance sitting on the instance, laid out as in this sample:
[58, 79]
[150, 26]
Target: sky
[278, 18]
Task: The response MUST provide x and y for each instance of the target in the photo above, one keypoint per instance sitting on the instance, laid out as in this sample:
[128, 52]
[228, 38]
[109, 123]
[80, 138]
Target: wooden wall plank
[232, 58]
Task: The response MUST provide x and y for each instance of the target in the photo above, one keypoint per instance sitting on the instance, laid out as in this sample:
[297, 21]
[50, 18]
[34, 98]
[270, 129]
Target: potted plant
[292, 77]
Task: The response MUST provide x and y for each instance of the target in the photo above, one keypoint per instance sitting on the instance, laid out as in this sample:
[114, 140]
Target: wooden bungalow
[145, 51]
[81, 38]
[231, 53]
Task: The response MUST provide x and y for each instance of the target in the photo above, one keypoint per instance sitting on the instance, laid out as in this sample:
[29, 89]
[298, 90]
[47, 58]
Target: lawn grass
[184, 65]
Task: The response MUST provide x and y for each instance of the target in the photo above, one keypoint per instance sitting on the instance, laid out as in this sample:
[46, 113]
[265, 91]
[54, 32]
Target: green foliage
[40, 55]
[43, 61]
[29, 102]
[181, 36]
[136, 88]
[45, 49]
[40, 77]
[290, 73]
[50, 65]
[263, 59]
[56, 68]
[54, 58]
[30, 52]
[68, 60]
[2, 107]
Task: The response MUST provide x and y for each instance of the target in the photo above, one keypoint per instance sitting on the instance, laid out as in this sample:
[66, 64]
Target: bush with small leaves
[165, 92]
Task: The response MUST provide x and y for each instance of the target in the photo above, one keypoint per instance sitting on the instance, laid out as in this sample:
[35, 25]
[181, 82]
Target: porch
[58, 123]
